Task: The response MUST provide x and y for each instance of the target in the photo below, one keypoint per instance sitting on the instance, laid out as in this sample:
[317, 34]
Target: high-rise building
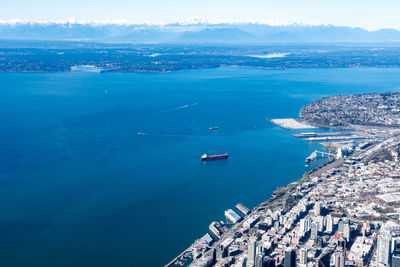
[305, 225]
[314, 230]
[342, 243]
[396, 256]
[251, 253]
[303, 256]
[241, 261]
[340, 227]
[290, 258]
[260, 259]
[339, 258]
[346, 232]
[320, 221]
[329, 223]
[317, 208]
[383, 252]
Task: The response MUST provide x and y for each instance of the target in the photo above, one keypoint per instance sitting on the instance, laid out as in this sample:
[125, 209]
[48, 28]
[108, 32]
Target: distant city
[50, 56]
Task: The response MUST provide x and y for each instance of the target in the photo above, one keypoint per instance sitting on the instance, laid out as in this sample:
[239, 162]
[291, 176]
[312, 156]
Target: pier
[334, 138]
[314, 155]
[171, 263]
[314, 134]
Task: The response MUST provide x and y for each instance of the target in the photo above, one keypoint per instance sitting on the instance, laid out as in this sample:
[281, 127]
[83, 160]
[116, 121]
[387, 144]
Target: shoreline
[274, 199]
[291, 221]
[152, 71]
[277, 198]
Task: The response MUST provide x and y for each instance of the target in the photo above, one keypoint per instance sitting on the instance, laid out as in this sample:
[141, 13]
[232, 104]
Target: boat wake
[161, 134]
[165, 111]
[179, 108]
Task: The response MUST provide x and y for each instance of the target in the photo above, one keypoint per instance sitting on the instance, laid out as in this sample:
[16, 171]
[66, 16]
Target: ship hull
[214, 157]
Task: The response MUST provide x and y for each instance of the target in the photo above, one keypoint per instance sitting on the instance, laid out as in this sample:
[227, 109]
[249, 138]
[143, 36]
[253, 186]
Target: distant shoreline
[171, 71]
[56, 57]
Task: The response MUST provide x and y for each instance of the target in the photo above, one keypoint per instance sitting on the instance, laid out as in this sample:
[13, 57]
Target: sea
[80, 187]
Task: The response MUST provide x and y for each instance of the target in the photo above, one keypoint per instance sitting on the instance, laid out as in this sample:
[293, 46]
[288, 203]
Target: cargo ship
[221, 156]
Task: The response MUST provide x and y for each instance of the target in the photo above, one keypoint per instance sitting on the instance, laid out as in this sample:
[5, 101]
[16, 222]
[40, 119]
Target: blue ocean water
[79, 187]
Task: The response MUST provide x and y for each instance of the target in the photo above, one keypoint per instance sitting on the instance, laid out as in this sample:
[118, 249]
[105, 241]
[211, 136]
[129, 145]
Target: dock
[242, 209]
[333, 138]
[314, 134]
[312, 157]
[171, 263]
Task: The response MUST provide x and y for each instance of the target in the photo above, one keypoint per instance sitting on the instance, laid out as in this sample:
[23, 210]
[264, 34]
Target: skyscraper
[346, 232]
[290, 258]
[304, 225]
[259, 259]
[320, 221]
[314, 230]
[303, 256]
[396, 256]
[339, 258]
[260, 254]
[340, 227]
[342, 243]
[383, 253]
[241, 261]
[251, 253]
[317, 208]
[329, 224]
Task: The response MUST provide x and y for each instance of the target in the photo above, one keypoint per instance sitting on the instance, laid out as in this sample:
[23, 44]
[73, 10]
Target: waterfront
[79, 184]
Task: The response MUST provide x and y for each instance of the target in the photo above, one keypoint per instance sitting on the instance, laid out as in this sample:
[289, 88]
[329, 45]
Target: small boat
[213, 128]
[221, 156]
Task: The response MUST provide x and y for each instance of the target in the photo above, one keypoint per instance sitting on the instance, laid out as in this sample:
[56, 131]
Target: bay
[80, 187]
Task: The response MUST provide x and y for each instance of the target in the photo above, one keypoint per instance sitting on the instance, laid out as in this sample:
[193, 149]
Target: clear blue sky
[369, 14]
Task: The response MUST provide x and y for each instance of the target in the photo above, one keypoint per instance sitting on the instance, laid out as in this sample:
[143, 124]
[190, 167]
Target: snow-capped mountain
[190, 31]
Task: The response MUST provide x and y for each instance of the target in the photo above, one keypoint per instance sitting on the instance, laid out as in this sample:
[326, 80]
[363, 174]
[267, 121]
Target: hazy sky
[369, 14]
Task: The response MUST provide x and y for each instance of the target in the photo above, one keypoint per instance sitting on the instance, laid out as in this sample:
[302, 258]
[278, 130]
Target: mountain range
[191, 33]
